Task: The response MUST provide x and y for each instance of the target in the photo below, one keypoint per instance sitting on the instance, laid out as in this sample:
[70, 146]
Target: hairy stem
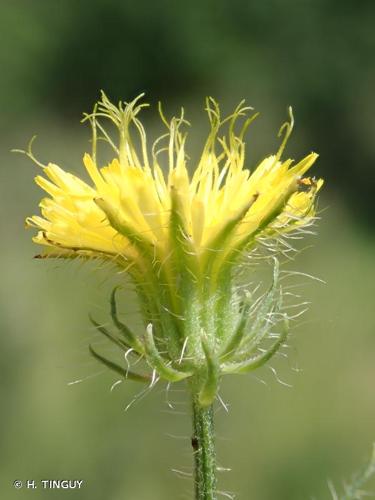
[204, 450]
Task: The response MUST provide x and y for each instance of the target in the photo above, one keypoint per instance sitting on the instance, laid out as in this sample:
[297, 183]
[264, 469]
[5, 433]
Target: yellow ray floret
[125, 211]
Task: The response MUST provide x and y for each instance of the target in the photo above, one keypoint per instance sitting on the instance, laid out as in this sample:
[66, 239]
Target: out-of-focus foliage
[316, 55]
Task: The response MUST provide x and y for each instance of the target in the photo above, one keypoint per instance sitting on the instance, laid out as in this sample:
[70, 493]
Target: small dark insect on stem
[194, 443]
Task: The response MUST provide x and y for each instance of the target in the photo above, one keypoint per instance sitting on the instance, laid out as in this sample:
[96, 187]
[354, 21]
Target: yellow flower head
[130, 202]
[178, 234]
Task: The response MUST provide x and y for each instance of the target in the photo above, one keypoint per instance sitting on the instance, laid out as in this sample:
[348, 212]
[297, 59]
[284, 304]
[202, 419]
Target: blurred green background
[280, 442]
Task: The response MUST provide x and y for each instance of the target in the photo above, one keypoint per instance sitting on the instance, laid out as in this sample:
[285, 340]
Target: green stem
[203, 444]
